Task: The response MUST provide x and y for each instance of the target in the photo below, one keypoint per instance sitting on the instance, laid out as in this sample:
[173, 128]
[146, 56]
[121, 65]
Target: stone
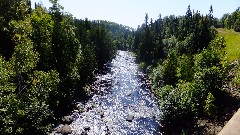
[79, 106]
[75, 116]
[86, 128]
[59, 129]
[101, 113]
[84, 133]
[130, 118]
[76, 111]
[66, 129]
[129, 93]
[67, 119]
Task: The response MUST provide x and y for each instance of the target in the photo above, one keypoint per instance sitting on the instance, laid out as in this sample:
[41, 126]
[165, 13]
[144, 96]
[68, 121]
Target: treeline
[230, 21]
[122, 35]
[184, 59]
[46, 59]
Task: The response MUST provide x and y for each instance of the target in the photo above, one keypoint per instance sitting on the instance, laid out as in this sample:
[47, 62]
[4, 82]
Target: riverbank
[228, 106]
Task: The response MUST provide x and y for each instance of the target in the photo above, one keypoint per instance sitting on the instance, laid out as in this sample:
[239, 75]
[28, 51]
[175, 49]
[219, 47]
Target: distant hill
[232, 43]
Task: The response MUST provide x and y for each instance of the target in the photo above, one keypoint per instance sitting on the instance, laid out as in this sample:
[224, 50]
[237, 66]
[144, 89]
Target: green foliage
[143, 65]
[103, 42]
[46, 58]
[24, 57]
[13, 9]
[209, 104]
[231, 21]
[187, 34]
[87, 63]
[156, 76]
[169, 44]
[209, 67]
[25, 91]
[42, 24]
[122, 35]
[97, 47]
[180, 103]
[169, 71]
[184, 69]
[189, 86]
[236, 79]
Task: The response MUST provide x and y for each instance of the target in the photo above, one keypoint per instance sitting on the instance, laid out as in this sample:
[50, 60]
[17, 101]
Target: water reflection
[122, 103]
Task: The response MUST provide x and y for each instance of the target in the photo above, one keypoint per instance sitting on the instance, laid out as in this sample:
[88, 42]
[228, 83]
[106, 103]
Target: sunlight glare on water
[120, 93]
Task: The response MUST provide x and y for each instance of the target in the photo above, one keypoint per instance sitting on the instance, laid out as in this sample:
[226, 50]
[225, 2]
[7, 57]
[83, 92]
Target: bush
[191, 86]
[185, 68]
[236, 79]
[209, 104]
[181, 103]
[209, 68]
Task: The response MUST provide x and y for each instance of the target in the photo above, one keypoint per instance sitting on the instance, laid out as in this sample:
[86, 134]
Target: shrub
[183, 103]
[236, 79]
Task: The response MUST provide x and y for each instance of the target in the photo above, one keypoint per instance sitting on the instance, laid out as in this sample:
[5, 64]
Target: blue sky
[132, 12]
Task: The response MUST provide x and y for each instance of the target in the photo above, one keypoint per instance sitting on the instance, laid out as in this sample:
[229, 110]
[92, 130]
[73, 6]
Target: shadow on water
[122, 102]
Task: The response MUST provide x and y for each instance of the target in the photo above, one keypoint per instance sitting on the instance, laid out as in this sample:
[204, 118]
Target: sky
[132, 12]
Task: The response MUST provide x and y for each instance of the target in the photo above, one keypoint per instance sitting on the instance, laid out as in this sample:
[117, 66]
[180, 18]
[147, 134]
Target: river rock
[66, 129]
[80, 106]
[84, 133]
[86, 128]
[67, 119]
[109, 129]
[59, 129]
[101, 113]
[129, 93]
[76, 111]
[130, 118]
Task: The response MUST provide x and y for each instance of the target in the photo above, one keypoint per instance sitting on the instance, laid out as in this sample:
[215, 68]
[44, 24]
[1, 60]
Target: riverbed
[122, 103]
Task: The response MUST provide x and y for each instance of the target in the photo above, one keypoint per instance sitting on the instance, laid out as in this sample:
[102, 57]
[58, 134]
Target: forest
[48, 57]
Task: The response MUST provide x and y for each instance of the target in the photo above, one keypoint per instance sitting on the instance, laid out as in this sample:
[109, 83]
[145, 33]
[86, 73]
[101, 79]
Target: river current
[123, 103]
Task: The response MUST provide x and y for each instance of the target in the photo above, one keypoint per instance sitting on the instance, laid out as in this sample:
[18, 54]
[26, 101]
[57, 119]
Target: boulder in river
[130, 118]
[86, 128]
[67, 119]
[129, 93]
[80, 107]
[75, 111]
[66, 129]
[101, 113]
[84, 133]
[59, 129]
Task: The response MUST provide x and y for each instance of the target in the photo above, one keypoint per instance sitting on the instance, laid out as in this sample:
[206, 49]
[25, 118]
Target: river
[122, 103]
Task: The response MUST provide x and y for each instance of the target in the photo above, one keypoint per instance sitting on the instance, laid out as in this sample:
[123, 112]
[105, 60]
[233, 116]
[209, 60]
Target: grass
[232, 43]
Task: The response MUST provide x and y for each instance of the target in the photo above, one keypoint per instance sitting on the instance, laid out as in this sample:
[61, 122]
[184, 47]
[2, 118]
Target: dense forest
[48, 57]
[185, 59]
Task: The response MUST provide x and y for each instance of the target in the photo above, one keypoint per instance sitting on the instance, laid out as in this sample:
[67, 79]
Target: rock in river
[59, 129]
[101, 113]
[129, 93]
[66, 129]
[130, 118]
[67, 119]
[86, 128]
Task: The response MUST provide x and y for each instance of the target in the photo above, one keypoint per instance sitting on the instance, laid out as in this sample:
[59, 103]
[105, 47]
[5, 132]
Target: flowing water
[122, 103]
